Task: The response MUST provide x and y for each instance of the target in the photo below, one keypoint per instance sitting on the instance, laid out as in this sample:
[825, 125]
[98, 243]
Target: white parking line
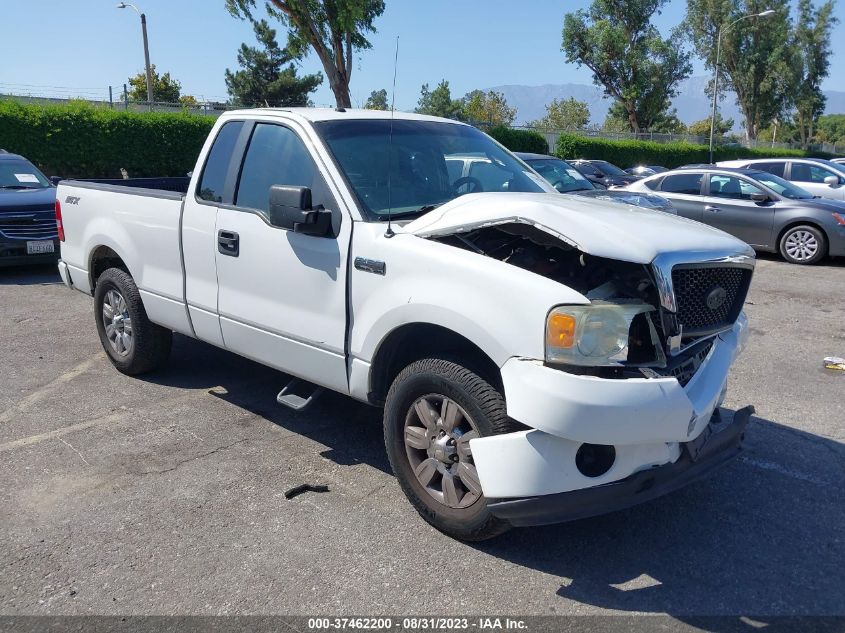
[42, 392]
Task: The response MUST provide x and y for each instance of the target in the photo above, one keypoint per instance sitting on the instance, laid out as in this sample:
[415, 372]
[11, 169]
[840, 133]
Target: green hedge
[627, 153]
[520, 140]
[78, 140]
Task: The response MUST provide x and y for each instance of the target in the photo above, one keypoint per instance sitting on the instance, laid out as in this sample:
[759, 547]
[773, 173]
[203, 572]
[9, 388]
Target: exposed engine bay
[600, 280]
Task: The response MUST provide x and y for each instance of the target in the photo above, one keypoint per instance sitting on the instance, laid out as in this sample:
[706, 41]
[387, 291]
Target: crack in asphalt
[191, 459]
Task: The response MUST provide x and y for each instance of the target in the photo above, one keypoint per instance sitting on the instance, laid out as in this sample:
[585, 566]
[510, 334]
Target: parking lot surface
[165, 494]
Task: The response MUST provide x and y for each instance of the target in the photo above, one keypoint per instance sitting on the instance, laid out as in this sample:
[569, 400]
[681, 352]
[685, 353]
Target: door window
[275, 156]
[213, 181]
[773, 168]
[689, 184]
[806, 172]
[722, 186]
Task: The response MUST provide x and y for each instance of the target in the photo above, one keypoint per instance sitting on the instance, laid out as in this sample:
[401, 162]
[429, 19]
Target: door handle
[228, 243]
[712, 209]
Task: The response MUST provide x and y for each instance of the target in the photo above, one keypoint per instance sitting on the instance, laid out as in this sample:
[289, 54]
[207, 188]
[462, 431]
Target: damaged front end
[643, 320]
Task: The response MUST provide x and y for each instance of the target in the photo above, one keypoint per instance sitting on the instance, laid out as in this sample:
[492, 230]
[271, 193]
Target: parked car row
[791, 206]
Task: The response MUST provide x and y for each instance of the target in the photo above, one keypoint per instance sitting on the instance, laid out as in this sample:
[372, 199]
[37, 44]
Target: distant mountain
[691, 103]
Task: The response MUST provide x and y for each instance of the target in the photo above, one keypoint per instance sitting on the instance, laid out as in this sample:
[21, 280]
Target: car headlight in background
[591, 335]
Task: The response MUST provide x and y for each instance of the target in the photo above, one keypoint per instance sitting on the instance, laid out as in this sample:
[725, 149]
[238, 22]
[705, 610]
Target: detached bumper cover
[631, 411]
[720, 442]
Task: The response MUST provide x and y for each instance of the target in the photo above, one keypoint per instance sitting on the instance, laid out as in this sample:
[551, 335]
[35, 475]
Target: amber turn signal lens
[560, 330]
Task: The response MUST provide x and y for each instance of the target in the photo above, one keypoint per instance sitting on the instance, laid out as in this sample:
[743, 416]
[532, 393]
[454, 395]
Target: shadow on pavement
[30, 275]
[827, 262]
[761, 537]
[351, 429]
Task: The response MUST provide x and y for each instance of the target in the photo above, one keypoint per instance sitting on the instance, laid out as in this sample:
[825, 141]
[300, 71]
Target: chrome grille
[709, 297]
[39, 226]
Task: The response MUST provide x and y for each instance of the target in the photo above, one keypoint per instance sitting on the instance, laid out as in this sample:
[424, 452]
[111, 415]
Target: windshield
[561, 175]
[609, 168]
[430, 163]
[21, 174]
[781, 186]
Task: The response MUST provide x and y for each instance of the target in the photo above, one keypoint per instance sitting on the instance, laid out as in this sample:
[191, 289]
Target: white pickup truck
[539, 357]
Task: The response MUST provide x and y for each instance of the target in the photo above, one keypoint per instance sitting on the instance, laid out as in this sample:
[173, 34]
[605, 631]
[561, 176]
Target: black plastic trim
[720, 443]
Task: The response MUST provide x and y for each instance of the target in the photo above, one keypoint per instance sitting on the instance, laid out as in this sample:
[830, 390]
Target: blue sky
[80, 47]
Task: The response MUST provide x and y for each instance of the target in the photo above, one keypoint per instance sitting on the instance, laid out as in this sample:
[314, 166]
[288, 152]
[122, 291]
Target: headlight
[592, 335]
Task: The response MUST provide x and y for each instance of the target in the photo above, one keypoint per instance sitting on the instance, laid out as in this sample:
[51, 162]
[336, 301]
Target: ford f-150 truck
[539, 357]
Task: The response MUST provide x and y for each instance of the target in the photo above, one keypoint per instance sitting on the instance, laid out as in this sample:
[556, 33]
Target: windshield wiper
[404, 214]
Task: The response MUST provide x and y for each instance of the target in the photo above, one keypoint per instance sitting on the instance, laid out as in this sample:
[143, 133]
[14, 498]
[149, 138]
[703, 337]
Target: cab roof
[332, 114]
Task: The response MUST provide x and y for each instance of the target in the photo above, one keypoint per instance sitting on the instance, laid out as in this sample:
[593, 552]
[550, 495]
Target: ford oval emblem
[716, 298]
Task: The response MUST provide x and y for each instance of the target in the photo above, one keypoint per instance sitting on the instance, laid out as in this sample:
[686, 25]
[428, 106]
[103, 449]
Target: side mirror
[832, 181]
[290, 208]
[759, 197]
[56, 180]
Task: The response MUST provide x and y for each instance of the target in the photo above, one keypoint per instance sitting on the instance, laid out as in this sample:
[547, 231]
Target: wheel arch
[102, 258]
[414, 341]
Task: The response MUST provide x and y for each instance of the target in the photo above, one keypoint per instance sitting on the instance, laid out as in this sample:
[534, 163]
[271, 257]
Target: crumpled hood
[596, 227]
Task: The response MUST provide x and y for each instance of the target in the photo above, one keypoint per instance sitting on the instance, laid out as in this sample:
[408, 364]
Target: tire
[419, 391]
[803, 244]
[134, 344]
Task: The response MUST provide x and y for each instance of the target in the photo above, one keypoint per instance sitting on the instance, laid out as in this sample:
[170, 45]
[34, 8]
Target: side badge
[370, 265]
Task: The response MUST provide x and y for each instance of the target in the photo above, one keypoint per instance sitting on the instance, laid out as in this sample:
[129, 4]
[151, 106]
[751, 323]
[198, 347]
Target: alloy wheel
[437, 434]
[801, 245]
[117, 323]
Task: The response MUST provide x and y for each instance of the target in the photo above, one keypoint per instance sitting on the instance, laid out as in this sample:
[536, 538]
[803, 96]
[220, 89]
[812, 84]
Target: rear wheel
[803, 245]
[433, 409]
[134, 344]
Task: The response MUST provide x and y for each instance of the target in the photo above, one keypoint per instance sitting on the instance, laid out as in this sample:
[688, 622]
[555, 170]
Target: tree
[166, 89]
[489, 108]
[831, 128]
[629, 59]
[334, 29]
[665, 122]
[377, 100]
[811, 63]
[702, 127]
[564, 114]
[439, 102]
[754, 54]
[188, 101]
[779, 132]
[615, 125]
[263, 78]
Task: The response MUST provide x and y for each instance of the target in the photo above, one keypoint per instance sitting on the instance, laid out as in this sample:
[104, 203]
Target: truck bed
[139, 219]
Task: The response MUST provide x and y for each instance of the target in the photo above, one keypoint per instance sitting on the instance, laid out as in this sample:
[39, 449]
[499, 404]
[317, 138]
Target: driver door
[282, 294]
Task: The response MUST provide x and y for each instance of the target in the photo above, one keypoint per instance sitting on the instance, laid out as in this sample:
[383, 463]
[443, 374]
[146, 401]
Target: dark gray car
[760, 208]
[564, 177]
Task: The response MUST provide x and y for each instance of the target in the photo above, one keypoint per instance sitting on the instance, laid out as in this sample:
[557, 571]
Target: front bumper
[720, 443]
[646, 420]
[13, 253]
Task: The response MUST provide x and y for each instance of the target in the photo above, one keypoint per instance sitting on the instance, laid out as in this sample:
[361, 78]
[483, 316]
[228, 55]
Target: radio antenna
[389, 232]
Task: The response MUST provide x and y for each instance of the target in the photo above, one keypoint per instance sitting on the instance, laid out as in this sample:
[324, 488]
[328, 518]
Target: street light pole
[764, 14]
[150, 95]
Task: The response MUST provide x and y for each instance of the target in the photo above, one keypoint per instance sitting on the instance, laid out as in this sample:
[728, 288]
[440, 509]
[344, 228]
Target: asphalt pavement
[165, 494]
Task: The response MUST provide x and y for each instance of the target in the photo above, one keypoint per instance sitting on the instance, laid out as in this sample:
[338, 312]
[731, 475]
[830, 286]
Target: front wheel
[433, 409]
[803, 245]
[134, 344]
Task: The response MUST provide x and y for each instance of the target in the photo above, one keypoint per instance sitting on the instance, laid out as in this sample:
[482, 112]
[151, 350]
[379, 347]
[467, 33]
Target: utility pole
[764, 14]
[150, 95]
